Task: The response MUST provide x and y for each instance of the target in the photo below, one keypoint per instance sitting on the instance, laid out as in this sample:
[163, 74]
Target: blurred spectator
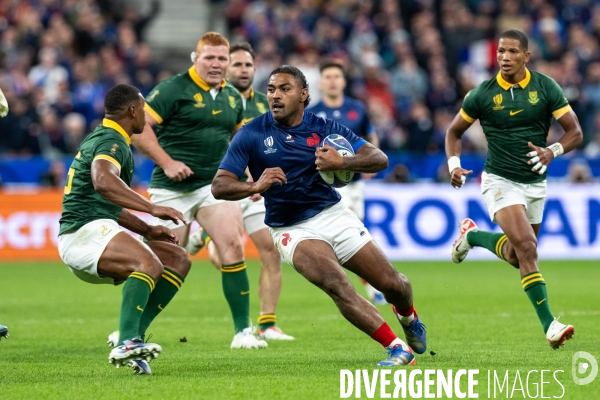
[579, 171]
[74, 131]
[48, 74]
[398, 174]
[54, 177]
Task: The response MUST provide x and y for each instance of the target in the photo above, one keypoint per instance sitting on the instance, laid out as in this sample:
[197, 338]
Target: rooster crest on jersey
[341, 178]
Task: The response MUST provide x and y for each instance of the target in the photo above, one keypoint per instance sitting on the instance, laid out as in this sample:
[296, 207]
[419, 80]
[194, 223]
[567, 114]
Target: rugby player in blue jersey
[313, 231]
[352, 114]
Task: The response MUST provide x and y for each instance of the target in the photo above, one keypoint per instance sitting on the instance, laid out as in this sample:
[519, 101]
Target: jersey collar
[505, 85]
[200, 82]
[251, 96]
[109, 123]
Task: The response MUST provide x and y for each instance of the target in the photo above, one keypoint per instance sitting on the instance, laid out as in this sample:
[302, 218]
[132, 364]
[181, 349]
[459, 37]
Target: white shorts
[353, 196]
[253, 213]
[81, 250]
[499, 193]
[336, 225]
[188, 203]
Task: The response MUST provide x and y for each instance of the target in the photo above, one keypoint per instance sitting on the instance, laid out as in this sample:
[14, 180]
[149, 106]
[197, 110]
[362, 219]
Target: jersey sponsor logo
[514, 112]
[269, 143]
[246, 120]
[286, 239]
[289, 139]
[152, 95]
[533, 98]
[352, 114]
[313, 140]
[498, 102]
[215, 112]
[261, 108]
[199, 103]
[114, 148]
[231, 101]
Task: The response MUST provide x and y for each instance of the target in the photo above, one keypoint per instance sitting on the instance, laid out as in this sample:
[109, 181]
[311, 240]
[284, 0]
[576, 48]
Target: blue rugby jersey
[263, 143]
[352, 114]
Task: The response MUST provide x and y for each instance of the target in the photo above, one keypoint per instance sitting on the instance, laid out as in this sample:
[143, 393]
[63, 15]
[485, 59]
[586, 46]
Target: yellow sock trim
[143, 277]
[173, 276]
[532, 278]
[234, 267]
[207, 240]
[169, 279]
[500, 245]
[267, 318]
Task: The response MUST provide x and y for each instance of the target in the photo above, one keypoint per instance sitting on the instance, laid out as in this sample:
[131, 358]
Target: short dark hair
[516, 35]
[297, 74]
[331, 64]
[120, 97]
[245, 46]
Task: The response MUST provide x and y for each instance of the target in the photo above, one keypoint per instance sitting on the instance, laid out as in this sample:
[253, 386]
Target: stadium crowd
[411, 61]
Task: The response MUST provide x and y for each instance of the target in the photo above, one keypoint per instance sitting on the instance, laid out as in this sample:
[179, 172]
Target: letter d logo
[582, 367]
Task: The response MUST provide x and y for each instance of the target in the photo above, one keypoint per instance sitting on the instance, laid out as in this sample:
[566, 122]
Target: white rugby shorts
[81, 250]
[253, 213]
[499, 192]
[188, 203]
[353, 196]
[336, 225]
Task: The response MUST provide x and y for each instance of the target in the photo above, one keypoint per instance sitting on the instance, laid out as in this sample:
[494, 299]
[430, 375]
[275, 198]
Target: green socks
[535, 287]
[266, 321]
[494, 242]
[236, 288]
[166, 288]
[136, 291]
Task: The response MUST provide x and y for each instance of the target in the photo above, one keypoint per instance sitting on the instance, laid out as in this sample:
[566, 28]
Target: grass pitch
[476, 314]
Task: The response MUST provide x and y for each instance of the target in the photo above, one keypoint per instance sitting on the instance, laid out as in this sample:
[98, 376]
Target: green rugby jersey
[254, 106]
[512, 117]
[193, 127]
[81, 203]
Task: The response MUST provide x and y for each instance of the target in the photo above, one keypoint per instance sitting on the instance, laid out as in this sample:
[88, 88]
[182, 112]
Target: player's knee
[527, 249]
[181, 262]
[398, 286]
[150, 265]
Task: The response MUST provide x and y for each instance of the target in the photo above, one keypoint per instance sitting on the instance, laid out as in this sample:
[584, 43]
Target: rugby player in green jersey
[3, 113]
[241, 75]
[515, 110]
[190, 120]
[95, 203]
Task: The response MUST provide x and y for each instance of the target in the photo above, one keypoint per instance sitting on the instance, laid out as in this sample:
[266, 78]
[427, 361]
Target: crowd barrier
[409, 222]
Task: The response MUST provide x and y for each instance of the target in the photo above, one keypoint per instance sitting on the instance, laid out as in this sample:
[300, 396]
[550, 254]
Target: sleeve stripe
[153, 113]
[561, 111]
[110, 159]
[238, 126]
[466, 116]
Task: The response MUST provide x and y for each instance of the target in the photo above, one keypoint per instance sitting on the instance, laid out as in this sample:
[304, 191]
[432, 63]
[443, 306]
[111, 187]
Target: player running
[352, 114]
[515, 110]
[195, 113]
[241, 74]
[313, 231]
[96, 250]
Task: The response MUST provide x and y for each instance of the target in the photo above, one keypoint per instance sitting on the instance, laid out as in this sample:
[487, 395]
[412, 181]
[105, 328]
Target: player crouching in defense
[313, 231]
[97, 251]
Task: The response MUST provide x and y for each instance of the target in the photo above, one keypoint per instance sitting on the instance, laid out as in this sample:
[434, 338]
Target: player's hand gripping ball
[341, 178]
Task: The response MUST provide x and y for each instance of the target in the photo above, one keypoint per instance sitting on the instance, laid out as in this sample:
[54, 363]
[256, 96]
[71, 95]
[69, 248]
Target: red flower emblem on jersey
[352, 114]
[286, 239]
[313, 141]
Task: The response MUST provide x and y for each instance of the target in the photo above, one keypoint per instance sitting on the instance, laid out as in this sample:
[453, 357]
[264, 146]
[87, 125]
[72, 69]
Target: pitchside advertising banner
[409, 222]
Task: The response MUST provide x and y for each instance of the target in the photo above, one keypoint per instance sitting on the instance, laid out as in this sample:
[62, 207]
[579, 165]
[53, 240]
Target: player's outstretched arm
[150, 232]
[106, 180]
[367, 159]
[147, 143]
[454, 134]
[227, 185]
[573, 137]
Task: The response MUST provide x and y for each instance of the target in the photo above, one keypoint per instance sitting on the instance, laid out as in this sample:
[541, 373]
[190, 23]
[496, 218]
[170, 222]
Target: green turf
[477, 318]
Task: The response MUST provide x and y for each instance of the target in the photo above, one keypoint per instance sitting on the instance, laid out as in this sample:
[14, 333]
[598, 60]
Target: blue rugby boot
[140, 367]
[416, 335]
[397, 356]
[133, 350]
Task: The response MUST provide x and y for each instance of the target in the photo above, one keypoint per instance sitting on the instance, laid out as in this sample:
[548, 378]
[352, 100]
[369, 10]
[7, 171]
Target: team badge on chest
[533, 98]
[232, 101]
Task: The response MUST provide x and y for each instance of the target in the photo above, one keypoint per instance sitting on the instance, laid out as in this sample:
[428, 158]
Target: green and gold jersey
[512, 115]
[193, 126]
[254, 106]
[81, 203]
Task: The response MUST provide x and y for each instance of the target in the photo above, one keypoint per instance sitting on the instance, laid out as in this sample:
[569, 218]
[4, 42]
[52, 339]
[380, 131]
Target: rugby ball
[338, 179]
